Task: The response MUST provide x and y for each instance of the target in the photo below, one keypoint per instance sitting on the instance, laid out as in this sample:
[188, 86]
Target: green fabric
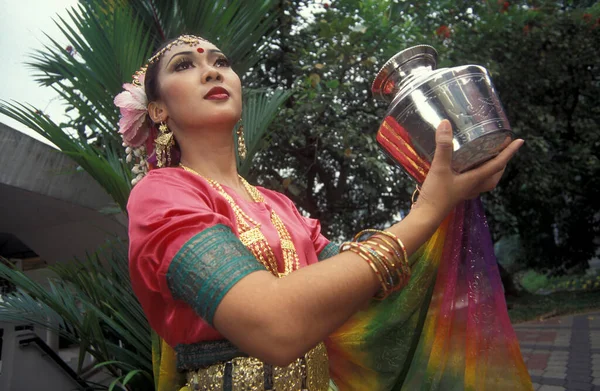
[329, 251]
[207, 266]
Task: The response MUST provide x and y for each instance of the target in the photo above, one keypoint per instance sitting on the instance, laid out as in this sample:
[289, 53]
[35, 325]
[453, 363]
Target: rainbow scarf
[448, 329]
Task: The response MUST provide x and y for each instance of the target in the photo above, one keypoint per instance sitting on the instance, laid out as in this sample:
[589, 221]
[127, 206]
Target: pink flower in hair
[133, 104]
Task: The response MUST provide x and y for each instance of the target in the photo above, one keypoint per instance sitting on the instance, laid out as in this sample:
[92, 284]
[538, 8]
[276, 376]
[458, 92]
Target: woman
[208, 251]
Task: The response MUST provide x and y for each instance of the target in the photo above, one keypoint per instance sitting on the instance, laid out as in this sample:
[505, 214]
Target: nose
[212, 75]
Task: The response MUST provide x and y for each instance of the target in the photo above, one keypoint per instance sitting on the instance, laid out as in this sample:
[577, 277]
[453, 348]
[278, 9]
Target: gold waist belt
[310, 373]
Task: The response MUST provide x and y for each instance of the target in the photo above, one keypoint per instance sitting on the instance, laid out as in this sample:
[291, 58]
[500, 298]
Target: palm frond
[108, 49]
[260, 108]
[240, 28]
[106, 168]
[89, 303]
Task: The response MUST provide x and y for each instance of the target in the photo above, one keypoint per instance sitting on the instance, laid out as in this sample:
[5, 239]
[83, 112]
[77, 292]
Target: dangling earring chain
[163, 144]
[241, 142]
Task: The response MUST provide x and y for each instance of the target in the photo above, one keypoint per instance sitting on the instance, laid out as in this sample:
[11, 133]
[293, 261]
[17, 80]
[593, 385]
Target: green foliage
[91, 303]
[328, 161]
[534, 307]
[260, 109]
[574, 283]
[534, 281]
[543, 61]
[509, 253]
[109, 41]
[104, 164]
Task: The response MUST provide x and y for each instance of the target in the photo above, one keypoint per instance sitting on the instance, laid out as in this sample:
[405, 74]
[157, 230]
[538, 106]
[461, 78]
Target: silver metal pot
[421, 96]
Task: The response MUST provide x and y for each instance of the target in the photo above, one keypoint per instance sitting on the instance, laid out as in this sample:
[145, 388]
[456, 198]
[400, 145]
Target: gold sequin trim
[288, 378]
[309, 373]
[209, 379]
[317, 368]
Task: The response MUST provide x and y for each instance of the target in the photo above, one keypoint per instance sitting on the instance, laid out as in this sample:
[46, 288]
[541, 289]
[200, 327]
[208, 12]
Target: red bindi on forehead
[200, 50]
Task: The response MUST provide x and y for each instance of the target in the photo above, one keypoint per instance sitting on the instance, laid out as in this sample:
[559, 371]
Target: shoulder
[168, 186]
[170, 178]
[276, 198]
[283, 202]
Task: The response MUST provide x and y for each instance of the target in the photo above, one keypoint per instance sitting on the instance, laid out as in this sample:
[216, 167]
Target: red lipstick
[217, 93]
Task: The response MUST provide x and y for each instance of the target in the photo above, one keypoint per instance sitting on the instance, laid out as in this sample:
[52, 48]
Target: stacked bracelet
[387, 258]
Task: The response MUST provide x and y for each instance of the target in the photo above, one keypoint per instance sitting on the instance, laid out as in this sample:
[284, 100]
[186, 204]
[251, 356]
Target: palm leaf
[89, 303]
[240, 28]
[260, 108]
[110, 48]
[105, 167]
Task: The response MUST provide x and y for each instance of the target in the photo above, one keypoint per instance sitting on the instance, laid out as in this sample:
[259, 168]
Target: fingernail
[446, 125]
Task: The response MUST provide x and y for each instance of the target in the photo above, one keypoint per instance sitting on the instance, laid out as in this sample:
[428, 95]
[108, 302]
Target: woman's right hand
[444, 188]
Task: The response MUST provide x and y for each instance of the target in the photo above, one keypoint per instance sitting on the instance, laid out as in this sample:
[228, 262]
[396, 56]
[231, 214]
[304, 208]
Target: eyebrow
[211, 51]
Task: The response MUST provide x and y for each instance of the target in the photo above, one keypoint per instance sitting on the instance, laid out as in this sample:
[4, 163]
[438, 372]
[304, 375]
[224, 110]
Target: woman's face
[198, 88]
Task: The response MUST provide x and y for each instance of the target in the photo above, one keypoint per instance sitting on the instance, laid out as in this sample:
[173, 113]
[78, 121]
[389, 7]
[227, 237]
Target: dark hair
[153, 94]
[151, 78]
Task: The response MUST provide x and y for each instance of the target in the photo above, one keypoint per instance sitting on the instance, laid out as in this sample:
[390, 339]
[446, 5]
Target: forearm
[294, 313]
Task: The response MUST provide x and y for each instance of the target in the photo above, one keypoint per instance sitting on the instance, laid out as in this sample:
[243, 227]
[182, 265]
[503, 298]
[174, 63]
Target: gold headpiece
[181, 40]
[138, 76]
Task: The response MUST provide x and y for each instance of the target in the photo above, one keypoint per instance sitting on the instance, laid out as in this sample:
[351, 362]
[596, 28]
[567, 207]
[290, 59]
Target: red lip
[217, 93]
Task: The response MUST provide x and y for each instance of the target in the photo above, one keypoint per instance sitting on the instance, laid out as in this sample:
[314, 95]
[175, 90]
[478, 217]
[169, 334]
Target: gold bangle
[378, 231]
[355, 248]
[383, 260]
[390, 235]
[393, 259]
[403, 260]
[383, 271]
[393, 272]
[415, 196]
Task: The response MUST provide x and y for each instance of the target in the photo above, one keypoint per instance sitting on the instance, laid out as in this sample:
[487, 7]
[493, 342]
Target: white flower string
[140, 167]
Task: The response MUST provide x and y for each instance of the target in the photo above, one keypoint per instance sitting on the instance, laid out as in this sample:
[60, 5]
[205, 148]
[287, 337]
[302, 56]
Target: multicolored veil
[449, 328]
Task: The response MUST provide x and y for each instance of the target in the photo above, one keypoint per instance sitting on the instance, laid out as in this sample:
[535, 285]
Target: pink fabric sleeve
[165, 212]
[313, 226]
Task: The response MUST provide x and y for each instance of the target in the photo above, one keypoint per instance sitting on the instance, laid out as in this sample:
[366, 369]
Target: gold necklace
[251, 235]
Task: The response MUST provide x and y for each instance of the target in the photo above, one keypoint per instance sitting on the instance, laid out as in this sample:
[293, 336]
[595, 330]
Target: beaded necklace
[251, 235]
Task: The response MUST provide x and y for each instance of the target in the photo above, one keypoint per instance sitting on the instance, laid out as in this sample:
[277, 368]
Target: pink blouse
[166, 210]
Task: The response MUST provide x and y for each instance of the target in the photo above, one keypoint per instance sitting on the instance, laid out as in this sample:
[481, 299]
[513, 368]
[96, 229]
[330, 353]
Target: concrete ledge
[48, 204]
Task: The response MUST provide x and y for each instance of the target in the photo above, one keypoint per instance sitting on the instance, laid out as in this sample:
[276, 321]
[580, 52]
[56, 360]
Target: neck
[212, 155]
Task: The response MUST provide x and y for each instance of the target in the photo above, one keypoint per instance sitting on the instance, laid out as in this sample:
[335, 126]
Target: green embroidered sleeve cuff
[329, 251]
[207, 267]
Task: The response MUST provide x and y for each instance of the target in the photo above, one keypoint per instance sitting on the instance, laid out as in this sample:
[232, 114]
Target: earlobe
[157, 112]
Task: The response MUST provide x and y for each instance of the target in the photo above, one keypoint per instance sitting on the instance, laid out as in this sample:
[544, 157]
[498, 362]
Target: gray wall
[48, 204]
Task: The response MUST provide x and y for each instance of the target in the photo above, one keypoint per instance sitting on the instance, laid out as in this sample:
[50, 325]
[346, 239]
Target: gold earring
[163, 144]
[241, 142]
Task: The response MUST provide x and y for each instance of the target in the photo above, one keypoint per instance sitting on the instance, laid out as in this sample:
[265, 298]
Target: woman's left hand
[443, 188]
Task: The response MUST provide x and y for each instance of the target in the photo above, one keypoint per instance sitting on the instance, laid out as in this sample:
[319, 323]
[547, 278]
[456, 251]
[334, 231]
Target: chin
[220, 118]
